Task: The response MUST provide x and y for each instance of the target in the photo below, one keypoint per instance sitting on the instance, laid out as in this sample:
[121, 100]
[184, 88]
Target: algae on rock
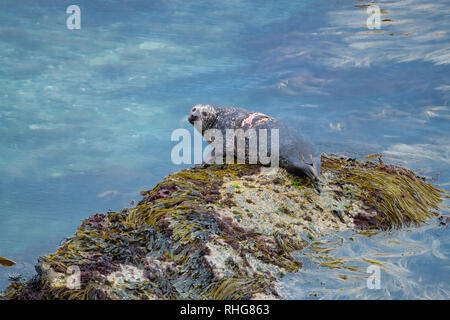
[225, 232]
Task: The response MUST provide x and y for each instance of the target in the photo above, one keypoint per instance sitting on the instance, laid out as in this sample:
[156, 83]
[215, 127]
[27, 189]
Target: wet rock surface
[224, 232]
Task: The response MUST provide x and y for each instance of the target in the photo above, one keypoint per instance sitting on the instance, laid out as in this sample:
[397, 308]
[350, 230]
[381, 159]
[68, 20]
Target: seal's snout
[192, 118]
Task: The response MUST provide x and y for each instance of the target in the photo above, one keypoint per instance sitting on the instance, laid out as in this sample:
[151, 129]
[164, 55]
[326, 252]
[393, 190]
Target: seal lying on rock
[295, 154]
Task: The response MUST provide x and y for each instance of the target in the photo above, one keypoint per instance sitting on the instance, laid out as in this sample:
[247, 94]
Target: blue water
[86, 115]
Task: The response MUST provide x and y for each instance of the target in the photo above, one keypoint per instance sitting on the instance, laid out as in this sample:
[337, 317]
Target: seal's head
[205, 113]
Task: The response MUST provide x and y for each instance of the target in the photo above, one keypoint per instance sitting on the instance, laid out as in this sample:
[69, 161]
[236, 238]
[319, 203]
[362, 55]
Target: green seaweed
[236, 288]
[182, 227]
[400, 196]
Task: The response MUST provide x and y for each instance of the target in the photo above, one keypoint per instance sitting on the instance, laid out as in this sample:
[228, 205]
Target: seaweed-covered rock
[224, 232]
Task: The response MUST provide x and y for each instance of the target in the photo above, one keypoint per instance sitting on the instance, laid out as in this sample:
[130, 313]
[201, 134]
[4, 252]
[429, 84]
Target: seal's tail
[312, 173]
[312, 170]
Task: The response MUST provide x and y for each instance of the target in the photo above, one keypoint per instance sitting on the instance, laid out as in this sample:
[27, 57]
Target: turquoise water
[86, 115]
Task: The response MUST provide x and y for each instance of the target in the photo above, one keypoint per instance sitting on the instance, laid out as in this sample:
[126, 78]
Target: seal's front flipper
[209, 160]
[202, 165]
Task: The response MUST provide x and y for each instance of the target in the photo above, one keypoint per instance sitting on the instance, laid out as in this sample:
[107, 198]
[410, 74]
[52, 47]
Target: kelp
[399, 197]
[227, 231]
[6, 262]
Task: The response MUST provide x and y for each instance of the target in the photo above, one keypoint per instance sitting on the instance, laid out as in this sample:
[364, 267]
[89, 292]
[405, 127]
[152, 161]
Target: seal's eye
[193, 109]
[204, 113]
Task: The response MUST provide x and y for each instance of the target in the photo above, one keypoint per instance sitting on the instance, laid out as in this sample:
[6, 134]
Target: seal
[296, 155]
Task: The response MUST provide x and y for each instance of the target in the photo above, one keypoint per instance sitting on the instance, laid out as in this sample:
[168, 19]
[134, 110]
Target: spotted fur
[296, 155]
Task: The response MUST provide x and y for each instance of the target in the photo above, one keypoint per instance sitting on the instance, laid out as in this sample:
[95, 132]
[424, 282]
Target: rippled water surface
[86, 115]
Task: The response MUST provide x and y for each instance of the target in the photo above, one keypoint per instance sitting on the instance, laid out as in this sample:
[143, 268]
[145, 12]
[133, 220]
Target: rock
[225, 232]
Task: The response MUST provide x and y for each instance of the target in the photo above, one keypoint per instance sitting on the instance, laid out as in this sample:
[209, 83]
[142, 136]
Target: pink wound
[251, 117]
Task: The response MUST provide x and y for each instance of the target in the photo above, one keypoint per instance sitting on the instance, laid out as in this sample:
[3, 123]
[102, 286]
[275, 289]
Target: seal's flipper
[312, 173]
[202, 165]
[316, 164]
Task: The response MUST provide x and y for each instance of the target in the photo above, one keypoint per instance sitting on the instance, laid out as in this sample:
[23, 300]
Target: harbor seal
[296, 155]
